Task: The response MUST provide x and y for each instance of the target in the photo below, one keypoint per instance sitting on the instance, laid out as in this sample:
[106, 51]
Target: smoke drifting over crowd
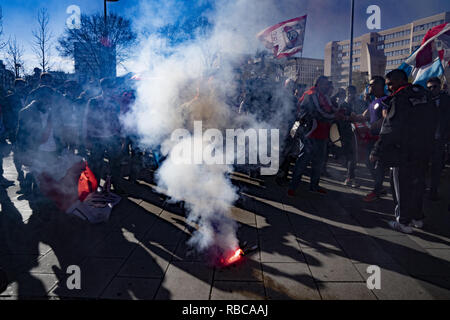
[193, 81]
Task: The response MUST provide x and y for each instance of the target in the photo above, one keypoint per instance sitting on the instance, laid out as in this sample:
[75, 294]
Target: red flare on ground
[233, 258]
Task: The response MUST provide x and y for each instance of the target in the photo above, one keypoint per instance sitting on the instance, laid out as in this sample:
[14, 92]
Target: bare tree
[14, 53]
[94, 40]
[42, 41]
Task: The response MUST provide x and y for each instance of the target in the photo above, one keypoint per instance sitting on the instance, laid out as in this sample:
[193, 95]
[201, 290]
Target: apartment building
[377, 53]
[303, 70]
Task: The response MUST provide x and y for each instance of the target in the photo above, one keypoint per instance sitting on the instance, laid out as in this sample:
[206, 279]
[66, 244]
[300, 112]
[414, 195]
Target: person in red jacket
[316, 113]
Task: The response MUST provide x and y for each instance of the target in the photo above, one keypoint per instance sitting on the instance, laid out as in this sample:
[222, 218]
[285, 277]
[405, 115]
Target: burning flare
[235, 256]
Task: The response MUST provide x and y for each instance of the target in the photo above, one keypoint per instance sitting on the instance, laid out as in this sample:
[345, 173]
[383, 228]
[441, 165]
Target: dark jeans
[284, 167]
[137, 157]
[314, 151]
[112, 147]
[437, 161]
[326, 157]
[350, 155]
[409, 186]
[3, 146]
[376, 170]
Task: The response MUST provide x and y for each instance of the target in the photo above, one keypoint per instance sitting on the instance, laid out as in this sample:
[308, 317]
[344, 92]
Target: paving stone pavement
[308, 247]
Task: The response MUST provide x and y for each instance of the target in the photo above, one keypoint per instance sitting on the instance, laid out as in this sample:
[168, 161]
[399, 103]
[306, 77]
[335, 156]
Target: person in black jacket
[349, 106]
[37, 138]
[405, 142]
[315, 116]
[3, 143]
[441, 101]
[374, 114]
[103, 133]
[13, 104]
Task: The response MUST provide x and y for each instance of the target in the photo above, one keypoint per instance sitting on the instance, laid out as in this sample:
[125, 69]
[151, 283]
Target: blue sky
[327, 19]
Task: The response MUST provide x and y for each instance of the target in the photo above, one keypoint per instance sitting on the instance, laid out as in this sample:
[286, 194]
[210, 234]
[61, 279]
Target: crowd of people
[408, 128]
[409, 136]
[42, 122]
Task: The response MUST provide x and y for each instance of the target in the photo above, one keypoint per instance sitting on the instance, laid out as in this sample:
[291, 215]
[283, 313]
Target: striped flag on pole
[427, 61]
[285, 38]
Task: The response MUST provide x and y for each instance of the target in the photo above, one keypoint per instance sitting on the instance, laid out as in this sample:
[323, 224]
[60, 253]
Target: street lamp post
[17, 67]
[106, 51]
[351, 44]
[104, 7]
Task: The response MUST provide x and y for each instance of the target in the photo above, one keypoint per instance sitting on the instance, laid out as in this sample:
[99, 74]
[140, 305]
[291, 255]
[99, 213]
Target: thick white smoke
[191, 82]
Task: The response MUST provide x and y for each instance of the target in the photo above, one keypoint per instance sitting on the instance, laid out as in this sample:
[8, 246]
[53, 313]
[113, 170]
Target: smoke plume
[196, 80]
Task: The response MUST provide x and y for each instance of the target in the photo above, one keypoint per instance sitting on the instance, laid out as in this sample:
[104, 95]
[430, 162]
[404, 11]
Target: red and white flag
[428, 50]
[285, 38]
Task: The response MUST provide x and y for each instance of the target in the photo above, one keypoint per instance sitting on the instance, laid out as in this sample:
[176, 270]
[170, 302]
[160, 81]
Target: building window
[427, 26]
[397, 53]
[394, 62]
[418, 38]
[397, 43]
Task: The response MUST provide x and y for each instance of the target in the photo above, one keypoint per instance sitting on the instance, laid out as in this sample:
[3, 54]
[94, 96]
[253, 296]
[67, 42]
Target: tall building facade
[94, 61]
[377, 53]
[304, 70]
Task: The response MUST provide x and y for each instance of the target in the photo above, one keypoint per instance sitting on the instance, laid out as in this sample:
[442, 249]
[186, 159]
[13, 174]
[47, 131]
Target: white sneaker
[400, 227]
[416, 224]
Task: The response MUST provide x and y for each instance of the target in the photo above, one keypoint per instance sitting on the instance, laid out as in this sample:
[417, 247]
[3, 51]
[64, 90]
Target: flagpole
[351, 44]
[301, 56]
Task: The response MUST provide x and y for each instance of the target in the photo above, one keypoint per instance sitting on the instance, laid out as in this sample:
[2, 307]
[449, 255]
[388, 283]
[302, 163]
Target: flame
[236, 256]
